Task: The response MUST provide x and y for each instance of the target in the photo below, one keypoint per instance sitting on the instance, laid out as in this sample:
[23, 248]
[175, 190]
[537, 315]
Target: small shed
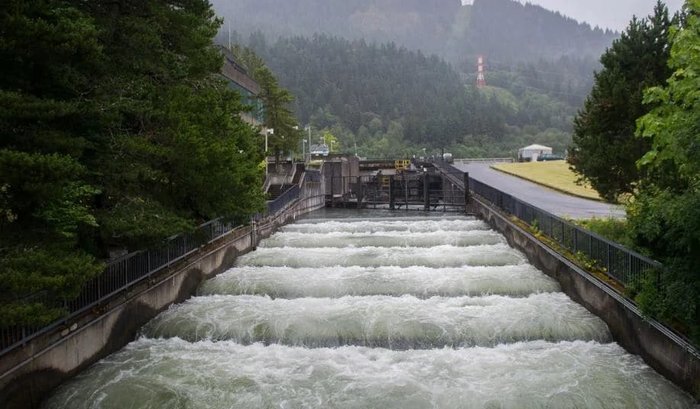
[532, 152]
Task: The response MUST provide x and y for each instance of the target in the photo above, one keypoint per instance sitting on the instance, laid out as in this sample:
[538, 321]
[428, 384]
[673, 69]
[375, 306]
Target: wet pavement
[555, 202]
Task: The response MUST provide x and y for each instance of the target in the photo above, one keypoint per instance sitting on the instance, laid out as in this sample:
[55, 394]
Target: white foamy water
[424, 282]
[383, 313]
[411, 225]
[390, 322]
[178, 374]
[384, 239]
[438, 256]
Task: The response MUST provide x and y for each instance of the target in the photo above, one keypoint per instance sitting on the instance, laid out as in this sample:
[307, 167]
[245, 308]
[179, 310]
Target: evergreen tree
[275, 102]
[115, 133]
[48, 53]
[605, 148]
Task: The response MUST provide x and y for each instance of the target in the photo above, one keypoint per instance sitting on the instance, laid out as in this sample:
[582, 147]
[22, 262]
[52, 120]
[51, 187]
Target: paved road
[542, 197]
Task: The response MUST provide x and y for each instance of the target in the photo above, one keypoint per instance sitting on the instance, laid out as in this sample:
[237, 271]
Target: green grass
[555, 175]
[612, 229]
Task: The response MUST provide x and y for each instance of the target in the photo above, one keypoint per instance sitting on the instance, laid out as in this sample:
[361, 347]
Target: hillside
[416, 24]
[370, 90]
[508, 31]
[369, 75]
[387, 99]
[504, 30]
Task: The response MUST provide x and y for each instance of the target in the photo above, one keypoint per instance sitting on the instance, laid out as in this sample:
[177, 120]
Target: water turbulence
[391, 313]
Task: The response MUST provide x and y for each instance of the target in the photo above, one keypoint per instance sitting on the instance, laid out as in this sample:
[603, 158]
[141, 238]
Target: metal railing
[312, 175]
[483, 160]
[619, 263]
[288, 196]
[119, 275]
[131, 269]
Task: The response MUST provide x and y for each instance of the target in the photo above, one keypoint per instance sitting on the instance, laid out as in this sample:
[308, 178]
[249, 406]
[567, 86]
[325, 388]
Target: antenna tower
[480, 75]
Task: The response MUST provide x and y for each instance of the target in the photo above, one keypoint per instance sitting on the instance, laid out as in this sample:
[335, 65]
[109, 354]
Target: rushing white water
[384, 239]
[286, 282]
[391, 225]
[390, 322]
[438, 256]
[387, 313]
[178, 374]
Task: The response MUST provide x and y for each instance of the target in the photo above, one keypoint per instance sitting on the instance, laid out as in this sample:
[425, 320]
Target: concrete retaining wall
[661, 349]
[31, 372]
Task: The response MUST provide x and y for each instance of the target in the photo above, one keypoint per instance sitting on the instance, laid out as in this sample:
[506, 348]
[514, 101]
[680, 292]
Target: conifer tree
[605, 149]
[116, 132]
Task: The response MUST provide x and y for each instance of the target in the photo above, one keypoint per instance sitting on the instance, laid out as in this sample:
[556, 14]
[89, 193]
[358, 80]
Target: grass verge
[555, 175]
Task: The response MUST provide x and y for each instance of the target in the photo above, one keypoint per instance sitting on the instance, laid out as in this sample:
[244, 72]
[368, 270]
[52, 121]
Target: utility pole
[308, 128]
[229, 34]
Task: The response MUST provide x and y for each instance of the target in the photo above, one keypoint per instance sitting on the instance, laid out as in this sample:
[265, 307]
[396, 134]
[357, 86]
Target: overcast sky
[613, 14]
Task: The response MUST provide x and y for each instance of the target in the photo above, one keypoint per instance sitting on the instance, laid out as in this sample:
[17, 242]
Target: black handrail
[618, 262]
[131, 269]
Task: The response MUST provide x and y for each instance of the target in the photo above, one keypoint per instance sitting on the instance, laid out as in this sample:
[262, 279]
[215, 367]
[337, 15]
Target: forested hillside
[417, 24]
[367, 80]
[504, 30]
[508, 31]
[387, 100]
[375, 95]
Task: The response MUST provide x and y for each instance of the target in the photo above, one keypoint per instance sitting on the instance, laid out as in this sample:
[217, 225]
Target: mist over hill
[503, 30]
[363, 70]
[416, 24]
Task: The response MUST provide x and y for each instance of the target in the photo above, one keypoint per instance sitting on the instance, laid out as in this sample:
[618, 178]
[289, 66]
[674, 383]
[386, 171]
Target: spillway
[393, 312]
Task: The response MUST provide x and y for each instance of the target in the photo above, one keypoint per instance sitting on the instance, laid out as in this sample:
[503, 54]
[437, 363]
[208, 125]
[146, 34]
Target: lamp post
[308, 128]
[266, 132]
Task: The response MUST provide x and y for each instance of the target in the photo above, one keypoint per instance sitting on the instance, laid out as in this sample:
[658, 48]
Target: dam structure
[380, 309]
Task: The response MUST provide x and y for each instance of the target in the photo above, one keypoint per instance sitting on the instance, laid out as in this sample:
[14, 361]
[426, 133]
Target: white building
[532, 152]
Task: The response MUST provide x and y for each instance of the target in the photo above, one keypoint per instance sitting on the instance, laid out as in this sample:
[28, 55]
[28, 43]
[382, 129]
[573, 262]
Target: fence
[129, 270]
[483, 160]
[283, 200]
[312, 175]
[619, 263]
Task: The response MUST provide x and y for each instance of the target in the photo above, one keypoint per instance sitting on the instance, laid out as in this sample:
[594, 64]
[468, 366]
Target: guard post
[466, 190]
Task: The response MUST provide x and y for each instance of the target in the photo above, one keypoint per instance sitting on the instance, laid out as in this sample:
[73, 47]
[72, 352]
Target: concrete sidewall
[634, 332]
[30, 373]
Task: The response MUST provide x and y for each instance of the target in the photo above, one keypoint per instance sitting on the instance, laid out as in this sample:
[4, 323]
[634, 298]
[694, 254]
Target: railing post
[466, 190]
[332, 186]
[629, 268]
[360, 193]
[426, 192]
[253, 233]
[392, 199]
[405, 187]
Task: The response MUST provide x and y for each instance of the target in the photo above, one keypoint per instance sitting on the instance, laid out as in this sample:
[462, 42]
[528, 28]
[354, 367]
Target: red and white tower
[481, 73]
